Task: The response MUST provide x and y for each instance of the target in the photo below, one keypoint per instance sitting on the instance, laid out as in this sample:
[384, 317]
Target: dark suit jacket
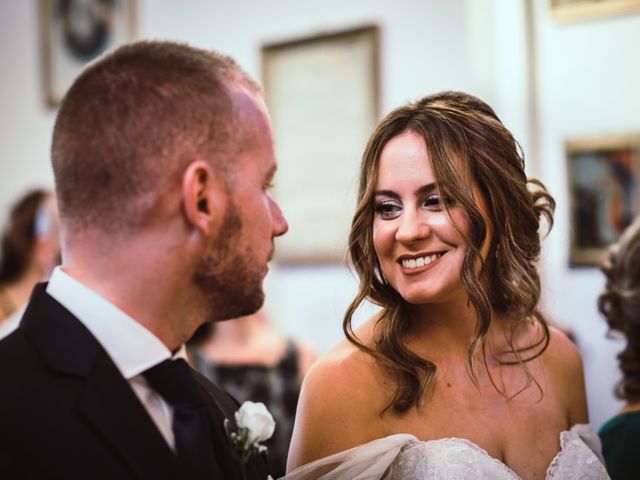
[66, 412]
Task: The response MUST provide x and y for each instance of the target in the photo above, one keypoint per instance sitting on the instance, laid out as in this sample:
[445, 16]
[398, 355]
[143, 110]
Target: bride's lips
[417, 263]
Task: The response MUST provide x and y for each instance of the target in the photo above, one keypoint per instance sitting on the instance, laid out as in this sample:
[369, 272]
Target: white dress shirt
[131, 346]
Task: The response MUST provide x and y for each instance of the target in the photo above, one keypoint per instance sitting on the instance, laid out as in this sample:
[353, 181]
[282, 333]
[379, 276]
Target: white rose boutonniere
[255, 425]
[257, 420]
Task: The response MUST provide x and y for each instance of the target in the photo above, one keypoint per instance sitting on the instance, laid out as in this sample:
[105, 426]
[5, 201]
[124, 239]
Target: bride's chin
[417, 298]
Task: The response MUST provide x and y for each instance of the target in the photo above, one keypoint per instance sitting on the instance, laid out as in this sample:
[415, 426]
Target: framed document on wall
[74, 32]
[322, 92]
[604, 181]
[568, 10]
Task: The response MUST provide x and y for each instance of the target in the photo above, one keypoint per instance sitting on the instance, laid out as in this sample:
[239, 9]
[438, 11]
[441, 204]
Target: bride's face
[419, 244]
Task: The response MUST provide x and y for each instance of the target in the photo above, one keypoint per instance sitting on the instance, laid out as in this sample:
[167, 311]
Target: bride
[458, 376]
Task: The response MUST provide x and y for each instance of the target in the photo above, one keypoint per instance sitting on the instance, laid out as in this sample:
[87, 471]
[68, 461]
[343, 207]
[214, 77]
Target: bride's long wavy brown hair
[462, 134]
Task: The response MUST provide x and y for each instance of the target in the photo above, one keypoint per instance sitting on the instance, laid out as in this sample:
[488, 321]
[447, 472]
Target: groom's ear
[203, 196]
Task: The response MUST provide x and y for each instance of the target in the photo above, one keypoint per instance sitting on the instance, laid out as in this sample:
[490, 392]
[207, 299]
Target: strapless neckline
[499, 463]
[404, 456]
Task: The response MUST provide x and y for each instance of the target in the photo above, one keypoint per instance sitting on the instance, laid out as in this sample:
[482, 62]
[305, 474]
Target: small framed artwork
[322, 93]
[569, 10]
[74, 32]
[604, 176]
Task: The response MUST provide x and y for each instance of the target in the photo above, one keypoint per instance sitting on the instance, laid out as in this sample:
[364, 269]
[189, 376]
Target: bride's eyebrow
[424, 190]
[386, 193]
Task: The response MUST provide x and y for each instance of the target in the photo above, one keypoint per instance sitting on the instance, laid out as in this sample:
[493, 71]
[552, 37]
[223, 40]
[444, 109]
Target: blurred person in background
[620, 305]
[252, 360]
[29, 250]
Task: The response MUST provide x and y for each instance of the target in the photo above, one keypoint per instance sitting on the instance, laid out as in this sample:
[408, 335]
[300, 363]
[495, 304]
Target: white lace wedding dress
[404, 457]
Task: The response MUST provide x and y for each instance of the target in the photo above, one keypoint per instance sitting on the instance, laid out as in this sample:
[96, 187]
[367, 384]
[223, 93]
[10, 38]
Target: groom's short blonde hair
[132, 121]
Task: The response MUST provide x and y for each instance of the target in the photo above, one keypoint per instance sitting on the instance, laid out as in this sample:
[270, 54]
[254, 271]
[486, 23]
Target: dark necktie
[174, 382]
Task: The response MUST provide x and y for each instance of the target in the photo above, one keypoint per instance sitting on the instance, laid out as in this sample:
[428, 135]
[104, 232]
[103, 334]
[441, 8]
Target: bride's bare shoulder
[564, 366]
[561, 376]
[340, 402]
[346, 359]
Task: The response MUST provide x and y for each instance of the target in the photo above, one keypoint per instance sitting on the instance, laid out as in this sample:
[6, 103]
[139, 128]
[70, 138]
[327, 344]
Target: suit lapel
[221, 406]
[113, 408]
[108, 402]
[216, 415]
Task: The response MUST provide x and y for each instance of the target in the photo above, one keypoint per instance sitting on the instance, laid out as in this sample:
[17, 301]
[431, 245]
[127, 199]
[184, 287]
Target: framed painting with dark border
[322, 93]
[604, 176]
[74, 32]
[570, 10]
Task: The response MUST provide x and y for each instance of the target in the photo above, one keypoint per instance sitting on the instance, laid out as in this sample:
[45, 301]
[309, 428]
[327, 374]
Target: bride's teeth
[420, 262]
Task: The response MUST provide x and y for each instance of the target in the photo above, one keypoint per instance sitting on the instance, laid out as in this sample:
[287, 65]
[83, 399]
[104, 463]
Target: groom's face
[233, 268]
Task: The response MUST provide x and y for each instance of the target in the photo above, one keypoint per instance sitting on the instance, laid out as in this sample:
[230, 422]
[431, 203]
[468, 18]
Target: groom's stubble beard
[228, 275]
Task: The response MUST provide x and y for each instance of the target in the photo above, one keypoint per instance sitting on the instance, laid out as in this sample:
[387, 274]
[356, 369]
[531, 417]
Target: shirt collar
[131, 346]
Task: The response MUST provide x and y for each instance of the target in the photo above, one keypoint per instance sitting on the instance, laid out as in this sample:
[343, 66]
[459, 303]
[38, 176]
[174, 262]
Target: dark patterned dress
[276, 386]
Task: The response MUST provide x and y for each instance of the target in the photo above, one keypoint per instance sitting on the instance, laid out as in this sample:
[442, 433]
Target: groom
[162, 155]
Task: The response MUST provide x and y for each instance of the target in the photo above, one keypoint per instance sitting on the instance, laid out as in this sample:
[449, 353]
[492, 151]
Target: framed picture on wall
[604, 181]
[74, 32]
[583, 9]
[322, 93]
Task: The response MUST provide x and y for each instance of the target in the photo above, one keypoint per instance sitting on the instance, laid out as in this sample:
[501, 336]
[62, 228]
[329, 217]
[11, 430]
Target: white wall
[25, 121]
[310, 301]
[588, 78]
[582, 81]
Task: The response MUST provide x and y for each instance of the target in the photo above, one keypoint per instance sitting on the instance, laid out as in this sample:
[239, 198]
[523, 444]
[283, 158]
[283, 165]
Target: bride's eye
[432, 202]
[436, 202]
[388, 210]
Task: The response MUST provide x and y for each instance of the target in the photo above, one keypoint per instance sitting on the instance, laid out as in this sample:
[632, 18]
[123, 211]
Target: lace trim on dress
[499, 464]
[571, 447]
[403, 456]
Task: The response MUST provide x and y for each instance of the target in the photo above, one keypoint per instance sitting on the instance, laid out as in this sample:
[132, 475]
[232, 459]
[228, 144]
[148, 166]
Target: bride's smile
[418, 235]
[457, 376]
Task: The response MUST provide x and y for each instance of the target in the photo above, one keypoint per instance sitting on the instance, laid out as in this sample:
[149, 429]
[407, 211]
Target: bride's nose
[413, 226]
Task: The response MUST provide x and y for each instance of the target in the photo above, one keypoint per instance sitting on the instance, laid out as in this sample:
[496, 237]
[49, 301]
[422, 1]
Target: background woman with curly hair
[620, 304]
[458, 376]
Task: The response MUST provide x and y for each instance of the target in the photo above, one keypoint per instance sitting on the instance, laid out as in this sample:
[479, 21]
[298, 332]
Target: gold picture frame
[76, 32]
[604, 186]
[322, 92]
[572, 10]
